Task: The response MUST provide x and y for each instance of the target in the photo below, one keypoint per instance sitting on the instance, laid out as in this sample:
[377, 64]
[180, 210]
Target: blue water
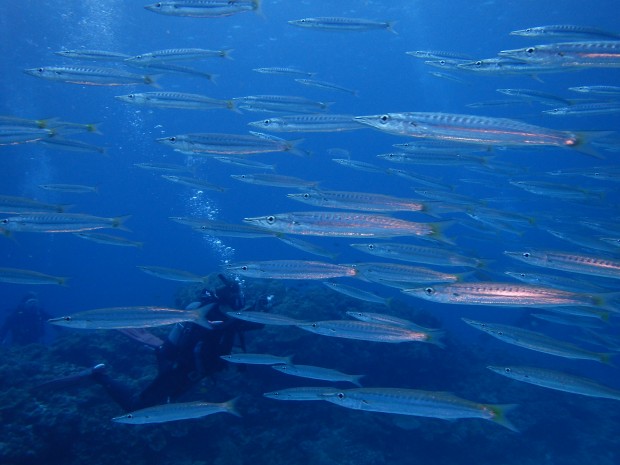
[556, 428]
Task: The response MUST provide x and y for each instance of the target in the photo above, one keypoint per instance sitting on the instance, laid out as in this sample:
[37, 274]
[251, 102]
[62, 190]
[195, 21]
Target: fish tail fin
[63, 281]
[608, 301]
[292, 147]
[438, 229]
[232, 106]
[390, 27]
[231, 407]
[436, 337]
[119, 222]
[582, 144]
[151, 80]
[226, 53]
[93, 127]
[606, 358]
[499, 415]
[258, 8]
[212, 77]
[355, 379]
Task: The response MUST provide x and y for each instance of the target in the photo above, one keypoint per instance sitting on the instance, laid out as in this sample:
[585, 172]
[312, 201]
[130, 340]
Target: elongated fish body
[326, 85]
[537, 341]
[176, 411]
[565, 30]
[256, 359]
[535, 95]
[363, 201]
[204, 8]
[343, 224]
[509, 66]
[399, 273]
[90, 76]
[499, 294]
[17, 276]
[356, 293]
[366, 331]
[372, 317]
[313, 372]
[226, 144]
[588, 54]
[126, 317]
[13, 135]
[301, 393]
[306, 246]
[309, 123]
[417, 254]
[176, 54]
[291, 269]
[342, 24]
[557, 380]
[280, 104]
[93, 55]
[108, 239]
[12, 204]
[71, 188]
[602, 90]
[576, 263]
[263, 318]
[195, 183]
[172, 274]
[470, 129]
[443, 405]
[59, 222]
[586, 109]
[358, 165]
[178, 100]
[220, 228]
[283, 71]
[275, 180]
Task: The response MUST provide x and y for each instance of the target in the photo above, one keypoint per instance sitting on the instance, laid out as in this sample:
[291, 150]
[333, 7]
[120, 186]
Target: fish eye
[500, 333]
[530, 50]
[306, 196]
[67, 318]
[442, 62]
[302, 20]
[129, 416]
[507, 370]
[131, 96]
[271, 219]
[244, 268]
[172, 139]
[529, 29]
[40, 70]
[429, 291]
[314, 325]
[384, 118]
[526, 255]
[138, 57]
[5, 221]
[371, 246]
[267, 122]
[341, 395]
[478, 63]
[158, 5]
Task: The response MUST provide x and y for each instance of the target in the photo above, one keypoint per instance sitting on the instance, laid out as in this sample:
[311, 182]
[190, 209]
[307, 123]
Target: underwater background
[73, 426]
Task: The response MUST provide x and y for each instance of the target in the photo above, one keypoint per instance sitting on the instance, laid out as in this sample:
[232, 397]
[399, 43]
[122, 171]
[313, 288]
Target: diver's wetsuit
[190, 353]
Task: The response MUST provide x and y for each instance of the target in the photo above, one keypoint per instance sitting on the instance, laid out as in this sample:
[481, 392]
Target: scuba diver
[26, 324]
[190, 353]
